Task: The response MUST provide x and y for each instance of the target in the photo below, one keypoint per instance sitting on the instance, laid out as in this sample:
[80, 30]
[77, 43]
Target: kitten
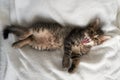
[51, 36]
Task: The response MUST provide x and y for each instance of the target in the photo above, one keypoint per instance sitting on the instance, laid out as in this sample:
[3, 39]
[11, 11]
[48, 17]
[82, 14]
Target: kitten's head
[96, 33]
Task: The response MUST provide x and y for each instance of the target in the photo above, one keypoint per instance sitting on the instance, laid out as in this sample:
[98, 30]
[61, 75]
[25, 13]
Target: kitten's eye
[96, 38]
[92, 32]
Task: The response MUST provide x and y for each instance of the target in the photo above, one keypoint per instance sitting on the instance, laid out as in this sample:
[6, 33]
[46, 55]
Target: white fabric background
[102, 63]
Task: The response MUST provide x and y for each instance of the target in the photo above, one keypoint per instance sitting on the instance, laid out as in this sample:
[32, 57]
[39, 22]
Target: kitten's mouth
[87, 41]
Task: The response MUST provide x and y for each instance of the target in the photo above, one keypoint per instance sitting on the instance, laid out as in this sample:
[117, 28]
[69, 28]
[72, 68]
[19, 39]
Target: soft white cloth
[102, 63]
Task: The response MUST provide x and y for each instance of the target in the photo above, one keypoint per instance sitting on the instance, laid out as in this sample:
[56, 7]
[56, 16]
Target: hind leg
[25, 35]
[22, 43]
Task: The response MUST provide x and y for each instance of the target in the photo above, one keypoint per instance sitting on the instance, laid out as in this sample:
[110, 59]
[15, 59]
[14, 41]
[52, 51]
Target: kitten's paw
[65, 69]
[66, 63]
[72, 70]
[16, 45]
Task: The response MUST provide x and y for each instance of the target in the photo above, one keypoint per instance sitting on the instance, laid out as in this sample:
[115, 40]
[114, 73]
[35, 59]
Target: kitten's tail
[13, 29]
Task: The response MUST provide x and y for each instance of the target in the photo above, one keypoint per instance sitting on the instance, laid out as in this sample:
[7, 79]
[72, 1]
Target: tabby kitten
[51, 36]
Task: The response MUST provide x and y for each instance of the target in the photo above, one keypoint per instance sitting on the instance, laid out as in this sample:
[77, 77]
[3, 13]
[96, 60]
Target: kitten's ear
[103, 38]
[95, 23]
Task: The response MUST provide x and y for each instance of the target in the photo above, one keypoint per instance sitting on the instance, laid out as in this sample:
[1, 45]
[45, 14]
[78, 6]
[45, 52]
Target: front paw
[66, 63]
[72, 69]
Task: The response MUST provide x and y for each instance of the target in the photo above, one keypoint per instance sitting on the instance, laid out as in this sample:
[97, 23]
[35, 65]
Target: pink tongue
[85, 40]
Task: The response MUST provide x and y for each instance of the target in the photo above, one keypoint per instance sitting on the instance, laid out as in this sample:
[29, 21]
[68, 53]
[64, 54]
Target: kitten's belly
[45, 40]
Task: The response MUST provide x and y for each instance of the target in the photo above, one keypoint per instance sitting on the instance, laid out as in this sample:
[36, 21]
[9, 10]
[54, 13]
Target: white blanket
[102, 63]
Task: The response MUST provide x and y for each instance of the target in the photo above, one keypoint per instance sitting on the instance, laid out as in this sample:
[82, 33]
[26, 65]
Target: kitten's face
[96, 34]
